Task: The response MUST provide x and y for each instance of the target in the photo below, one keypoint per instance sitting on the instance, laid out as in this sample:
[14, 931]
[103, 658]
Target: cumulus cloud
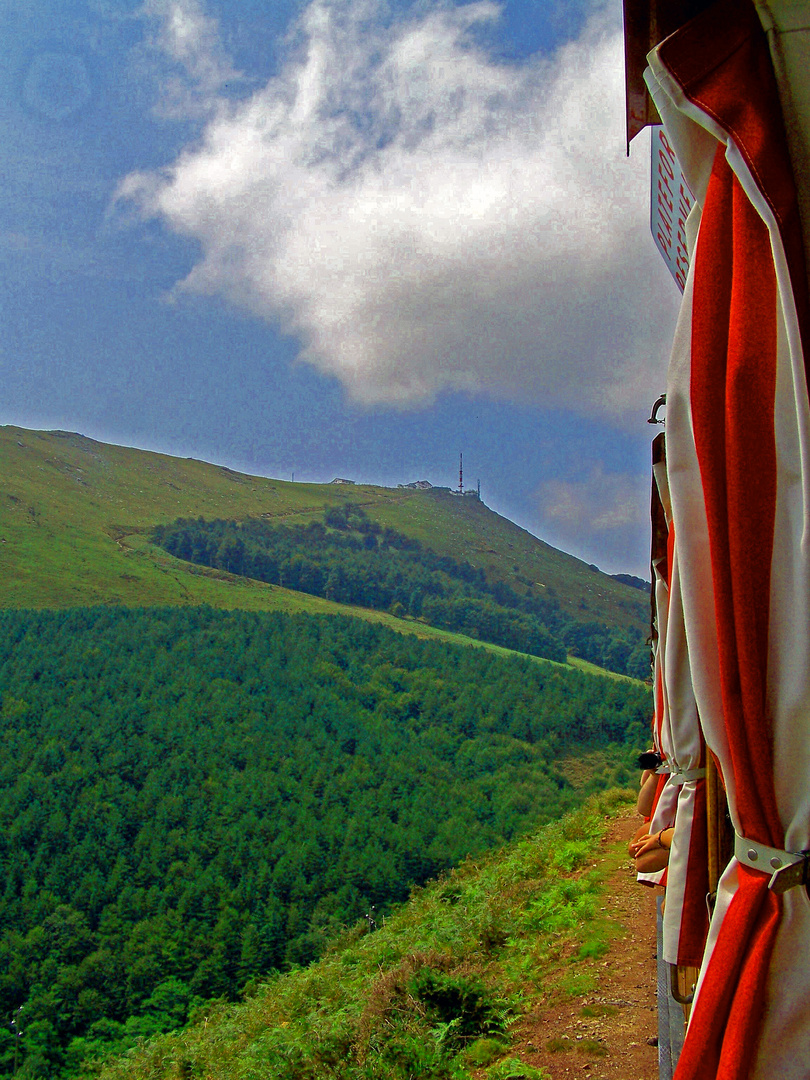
[607, 513]
[422, 216]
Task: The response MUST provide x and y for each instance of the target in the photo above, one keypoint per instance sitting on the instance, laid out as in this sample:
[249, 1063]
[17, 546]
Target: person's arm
[651, 851]
[646, 796]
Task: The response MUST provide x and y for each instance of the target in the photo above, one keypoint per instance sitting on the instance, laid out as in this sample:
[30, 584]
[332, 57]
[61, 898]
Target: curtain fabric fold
[661, 813]
[676, 732]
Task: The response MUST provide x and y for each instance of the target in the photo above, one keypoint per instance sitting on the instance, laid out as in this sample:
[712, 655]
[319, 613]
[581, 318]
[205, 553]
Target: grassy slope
[496, 927]
[75, 515]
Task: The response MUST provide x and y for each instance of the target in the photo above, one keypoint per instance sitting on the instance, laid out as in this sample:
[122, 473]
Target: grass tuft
[483, 1052]
[514, 1069]
[599, 1010]
[562, 1044]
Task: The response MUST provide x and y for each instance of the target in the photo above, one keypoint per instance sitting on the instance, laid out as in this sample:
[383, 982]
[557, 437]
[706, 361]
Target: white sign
[670, 202]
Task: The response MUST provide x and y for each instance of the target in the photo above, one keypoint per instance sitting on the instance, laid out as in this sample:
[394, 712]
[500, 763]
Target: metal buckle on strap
[787, 868]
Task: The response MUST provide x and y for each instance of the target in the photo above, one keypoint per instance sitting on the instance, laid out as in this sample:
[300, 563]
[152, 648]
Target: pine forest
[193, 798]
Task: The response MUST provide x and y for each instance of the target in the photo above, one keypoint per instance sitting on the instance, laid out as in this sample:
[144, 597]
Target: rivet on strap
[790, 868]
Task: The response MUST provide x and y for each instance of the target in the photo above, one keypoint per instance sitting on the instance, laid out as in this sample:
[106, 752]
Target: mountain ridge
[76, 514]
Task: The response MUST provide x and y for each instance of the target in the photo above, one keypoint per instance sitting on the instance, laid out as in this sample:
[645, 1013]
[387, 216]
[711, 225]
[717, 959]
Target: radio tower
[460, 476]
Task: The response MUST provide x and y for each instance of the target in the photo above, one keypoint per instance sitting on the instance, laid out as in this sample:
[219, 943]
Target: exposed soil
[609, 1033]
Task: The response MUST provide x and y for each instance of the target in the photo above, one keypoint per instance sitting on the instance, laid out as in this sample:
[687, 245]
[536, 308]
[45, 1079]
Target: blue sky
[339, 238]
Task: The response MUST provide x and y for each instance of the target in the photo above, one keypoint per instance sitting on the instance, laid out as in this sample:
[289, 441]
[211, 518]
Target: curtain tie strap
[787, 868]
[683, 776]
[680, 776]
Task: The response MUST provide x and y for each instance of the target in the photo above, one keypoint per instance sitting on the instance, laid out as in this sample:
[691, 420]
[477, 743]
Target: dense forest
[191, 797]
[351, 559]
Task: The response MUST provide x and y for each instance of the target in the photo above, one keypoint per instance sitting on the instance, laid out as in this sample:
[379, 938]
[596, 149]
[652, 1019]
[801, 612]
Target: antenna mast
[460, 476]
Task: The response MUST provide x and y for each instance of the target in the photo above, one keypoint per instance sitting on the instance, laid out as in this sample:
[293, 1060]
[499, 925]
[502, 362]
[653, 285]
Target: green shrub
[458, 1000]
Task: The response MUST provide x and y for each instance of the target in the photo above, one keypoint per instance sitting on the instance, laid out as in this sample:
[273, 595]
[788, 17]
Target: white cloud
[606, 513]
[198, 66]
[423, 217]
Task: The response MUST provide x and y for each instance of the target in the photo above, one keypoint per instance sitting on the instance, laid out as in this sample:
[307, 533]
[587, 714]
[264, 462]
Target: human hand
[651, 851]
[651, 842]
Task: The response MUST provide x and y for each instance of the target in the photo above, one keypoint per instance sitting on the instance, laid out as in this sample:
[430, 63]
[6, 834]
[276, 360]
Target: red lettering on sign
[665, 167]
[662, 198]
[665, 143]
[671, 202]
[685, 200]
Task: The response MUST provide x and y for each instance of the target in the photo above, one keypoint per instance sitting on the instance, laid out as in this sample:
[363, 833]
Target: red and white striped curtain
[738, 454]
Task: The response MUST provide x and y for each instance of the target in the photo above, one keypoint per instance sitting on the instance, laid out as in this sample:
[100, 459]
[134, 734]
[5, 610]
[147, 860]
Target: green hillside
[204, 780]
[437, 992]
[190, 798]
[76, 516]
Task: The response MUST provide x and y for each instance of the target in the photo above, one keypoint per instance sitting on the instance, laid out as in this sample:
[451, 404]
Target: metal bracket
[788, 869]
[675, 990]
[657, 404]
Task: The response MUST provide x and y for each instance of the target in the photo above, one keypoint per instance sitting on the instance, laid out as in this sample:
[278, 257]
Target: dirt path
[610, 1032]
